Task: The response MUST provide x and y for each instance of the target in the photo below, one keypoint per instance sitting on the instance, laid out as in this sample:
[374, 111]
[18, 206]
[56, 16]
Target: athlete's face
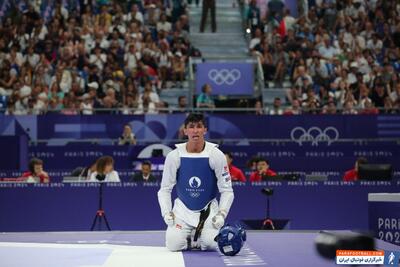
[195, 131]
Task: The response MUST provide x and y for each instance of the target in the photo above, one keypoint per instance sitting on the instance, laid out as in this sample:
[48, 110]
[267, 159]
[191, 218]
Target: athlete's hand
[218, 220]
[169, 218]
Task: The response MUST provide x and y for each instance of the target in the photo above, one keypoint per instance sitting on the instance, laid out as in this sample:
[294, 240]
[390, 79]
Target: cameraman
[105, 171]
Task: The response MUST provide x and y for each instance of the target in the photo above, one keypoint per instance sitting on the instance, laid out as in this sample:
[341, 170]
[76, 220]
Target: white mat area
[83, 255]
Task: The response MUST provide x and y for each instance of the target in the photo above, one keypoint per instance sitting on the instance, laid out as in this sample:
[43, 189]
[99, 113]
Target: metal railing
[260, 76]
[170, 110]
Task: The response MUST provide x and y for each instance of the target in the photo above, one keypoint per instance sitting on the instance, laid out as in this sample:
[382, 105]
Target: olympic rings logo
[314, 135]
[195, 194]
[226, 76]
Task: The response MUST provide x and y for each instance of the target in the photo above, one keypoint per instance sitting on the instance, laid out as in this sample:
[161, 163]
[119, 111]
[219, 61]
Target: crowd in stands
[114, 56]
[101, 55]
[337, 56]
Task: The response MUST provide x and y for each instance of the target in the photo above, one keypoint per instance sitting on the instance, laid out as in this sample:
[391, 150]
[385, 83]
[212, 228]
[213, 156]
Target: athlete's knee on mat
[176, 245]
[175, 241]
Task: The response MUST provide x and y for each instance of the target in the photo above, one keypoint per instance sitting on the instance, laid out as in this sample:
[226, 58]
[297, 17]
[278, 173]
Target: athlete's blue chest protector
[196, 182]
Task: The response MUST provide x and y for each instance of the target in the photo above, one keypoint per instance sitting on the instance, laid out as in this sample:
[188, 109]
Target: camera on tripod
[267, 191]
[104, 167]
[100, 177]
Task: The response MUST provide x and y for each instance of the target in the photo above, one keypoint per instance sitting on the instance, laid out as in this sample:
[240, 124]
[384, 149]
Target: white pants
[177, 235]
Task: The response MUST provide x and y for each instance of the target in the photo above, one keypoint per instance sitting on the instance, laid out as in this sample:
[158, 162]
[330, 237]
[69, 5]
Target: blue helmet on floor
[230, 239]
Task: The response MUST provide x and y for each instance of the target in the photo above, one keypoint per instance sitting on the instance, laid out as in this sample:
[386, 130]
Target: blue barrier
[131, 206]
[315, 130]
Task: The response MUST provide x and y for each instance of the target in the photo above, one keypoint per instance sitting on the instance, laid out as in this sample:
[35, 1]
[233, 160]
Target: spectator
[256, 40]
[378, 95]
[145, 174]
[276, 107]
[329, 108]
[86, 106]
[252, 163]
[204, 100]
[165, 59]
[182, 104]
[294, 109]
[259, 108]
[388, 107]
[208, 5]
[235, 172]
[127, 137]
[105, 171]
[84, 173]
[146, 105]
[369, 108]
[395, 94]
[349, 108]
[352, 175]
[151, 93]
[253, 17]
[178, 68]
[275, 9]
[163, 24]
[263, 171]
[36, 174]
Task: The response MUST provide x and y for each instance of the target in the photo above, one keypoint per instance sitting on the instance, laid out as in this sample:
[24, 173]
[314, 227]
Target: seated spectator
[294, 109]
[163, 24]
[276, 108]
[127, 137]
[258, 106]
[36, 174]
[204, 100]
[105, 171]
[178, 68]
[86, 105]
[146, 105]
[251, 164]
[236, 173]
[369, 108]
[84, 173]
[263, 171]
[352, 175]
[348, 108]
[145, 174]
[182, 104]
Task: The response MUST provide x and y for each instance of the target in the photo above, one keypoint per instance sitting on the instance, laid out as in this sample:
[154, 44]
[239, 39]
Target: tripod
[100, 213]
[268, 223]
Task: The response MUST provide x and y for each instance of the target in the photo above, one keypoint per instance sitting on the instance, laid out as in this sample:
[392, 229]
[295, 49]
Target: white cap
[13, 72]
[85, 96]
[354, 64]
[25, 91]
[94, 85]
